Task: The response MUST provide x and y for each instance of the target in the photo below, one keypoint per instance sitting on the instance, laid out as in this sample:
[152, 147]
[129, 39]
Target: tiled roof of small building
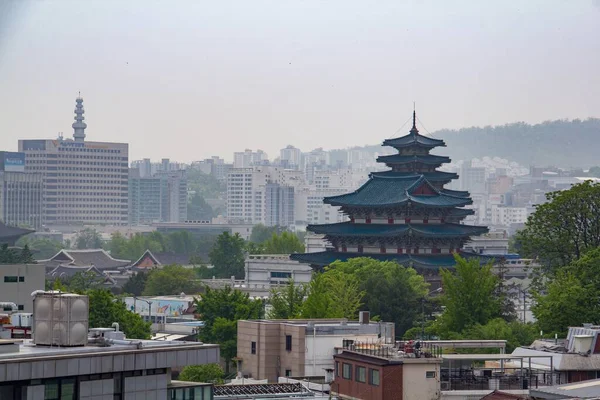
[398, 159]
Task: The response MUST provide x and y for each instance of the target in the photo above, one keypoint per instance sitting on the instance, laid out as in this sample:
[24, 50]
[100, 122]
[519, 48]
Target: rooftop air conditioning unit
[60, 319]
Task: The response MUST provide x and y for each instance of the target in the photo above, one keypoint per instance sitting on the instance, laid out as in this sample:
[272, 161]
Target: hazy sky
[191, 79]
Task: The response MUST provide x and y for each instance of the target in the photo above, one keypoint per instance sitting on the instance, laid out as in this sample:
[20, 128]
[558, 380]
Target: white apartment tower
[83, 182]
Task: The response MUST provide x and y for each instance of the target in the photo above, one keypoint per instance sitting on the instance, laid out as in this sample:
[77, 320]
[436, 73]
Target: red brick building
[388, 375]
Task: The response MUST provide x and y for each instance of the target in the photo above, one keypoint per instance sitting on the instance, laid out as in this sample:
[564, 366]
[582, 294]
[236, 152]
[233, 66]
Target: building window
[337, 368]
[285, 275]
[361, 374]
[288, 342]
[430, 374]
[288, 372]
[346, 371]
[253, 348]
[374, 377]
[11, 279]
[21, 307]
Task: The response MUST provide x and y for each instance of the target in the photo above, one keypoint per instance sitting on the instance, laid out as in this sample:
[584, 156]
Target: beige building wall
[18, 281]
[271, 360]
[421, 379]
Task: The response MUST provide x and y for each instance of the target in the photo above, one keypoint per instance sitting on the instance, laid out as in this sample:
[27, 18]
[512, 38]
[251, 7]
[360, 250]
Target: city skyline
[276, 74]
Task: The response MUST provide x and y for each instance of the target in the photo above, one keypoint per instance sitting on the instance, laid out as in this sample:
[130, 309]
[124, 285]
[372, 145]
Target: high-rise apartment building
[248, 158]
[83, 182]
[159, 198]
[279, 205]
[246, 191]
[20, 192]
[290, 157]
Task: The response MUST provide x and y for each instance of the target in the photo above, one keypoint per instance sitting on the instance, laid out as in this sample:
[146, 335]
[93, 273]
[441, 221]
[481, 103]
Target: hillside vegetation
[561, 143]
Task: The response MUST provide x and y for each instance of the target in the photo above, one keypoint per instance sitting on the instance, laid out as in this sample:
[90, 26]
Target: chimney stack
[364, 317]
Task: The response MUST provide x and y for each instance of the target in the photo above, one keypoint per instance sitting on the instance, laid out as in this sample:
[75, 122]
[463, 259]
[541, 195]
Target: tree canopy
[88, 238]
[206, 373]
[261, 233]
[15, 255]
[572, 296]
[227, 256]
[220, 310]
[43, 248]
[286, 302]
[105, 309]
[565, 228]
[171, 280]
[470, 296]
[285, 243]
[198, 209]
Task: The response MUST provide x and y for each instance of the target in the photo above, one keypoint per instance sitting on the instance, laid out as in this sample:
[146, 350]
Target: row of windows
[63, 156]
[14, 279]
[360, 373]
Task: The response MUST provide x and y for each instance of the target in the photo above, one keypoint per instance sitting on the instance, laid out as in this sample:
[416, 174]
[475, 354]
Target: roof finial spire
[414, 129]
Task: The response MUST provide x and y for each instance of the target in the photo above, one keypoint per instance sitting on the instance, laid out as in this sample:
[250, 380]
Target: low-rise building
[123, 369]
[374, 371]
[266, 270]
[268, 349]
[98, 258]
[18, 281]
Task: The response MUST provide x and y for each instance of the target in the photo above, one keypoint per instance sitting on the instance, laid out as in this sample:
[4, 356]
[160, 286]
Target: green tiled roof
[461, 212]
[414, 139]
[392, 191]
[430, 261]
[428, 159]
[456, 193]
[436, 176]
[348, 229]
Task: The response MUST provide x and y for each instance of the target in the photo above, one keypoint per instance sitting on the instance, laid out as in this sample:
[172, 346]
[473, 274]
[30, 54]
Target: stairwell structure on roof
[403, 214]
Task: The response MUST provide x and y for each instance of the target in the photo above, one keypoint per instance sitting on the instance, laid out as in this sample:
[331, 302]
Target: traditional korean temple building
[403, 214]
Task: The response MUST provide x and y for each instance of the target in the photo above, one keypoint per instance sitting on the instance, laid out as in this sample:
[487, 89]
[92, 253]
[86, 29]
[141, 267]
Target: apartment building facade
[83, 182]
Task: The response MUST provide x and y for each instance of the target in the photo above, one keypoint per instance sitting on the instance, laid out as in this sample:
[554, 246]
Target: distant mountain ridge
[562, 143]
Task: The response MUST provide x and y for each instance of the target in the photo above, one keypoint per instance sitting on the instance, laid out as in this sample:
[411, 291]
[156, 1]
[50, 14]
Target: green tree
[333, 294]
[220, 310]
[391, 292]
[205, 185]
[286, 302]
[182, 242]
[318, 302]
[227, 256]
[207, 373]
[88, 238]
[261, 233]
[42, 247]
[171, 280]
[285, 243]
[136, 283]
[567, 301]
[81, 282]
[105, 309]
[470, 296]
[198, 209]
[565, 228]
[515, 333]
[15, 256]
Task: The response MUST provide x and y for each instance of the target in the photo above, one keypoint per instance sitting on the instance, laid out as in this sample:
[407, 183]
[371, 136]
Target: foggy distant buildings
[83, 182]
[158, 198]
[21, 193]
[248, 158]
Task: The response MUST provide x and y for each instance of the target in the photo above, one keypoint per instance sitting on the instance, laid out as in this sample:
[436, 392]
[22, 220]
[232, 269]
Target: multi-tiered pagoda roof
[403, 214]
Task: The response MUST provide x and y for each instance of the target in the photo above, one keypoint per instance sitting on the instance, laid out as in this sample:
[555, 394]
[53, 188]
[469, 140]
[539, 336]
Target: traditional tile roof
[428, 159]
[456, 193]
[68, 271]
[435, 176]
[394, 191]
[347, 229]
[160, 259]
[98, 258]
[10, 234]
[424, 261]
[414, 139]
